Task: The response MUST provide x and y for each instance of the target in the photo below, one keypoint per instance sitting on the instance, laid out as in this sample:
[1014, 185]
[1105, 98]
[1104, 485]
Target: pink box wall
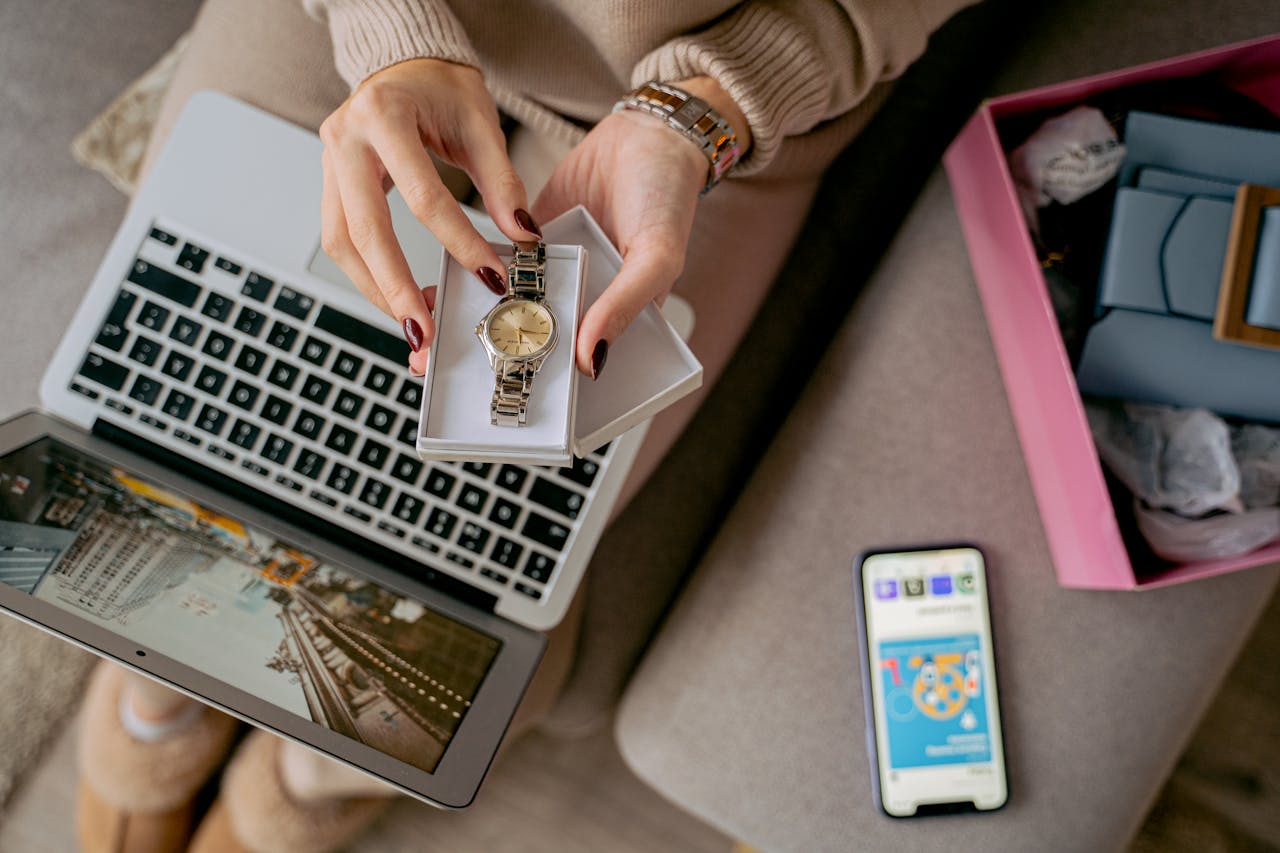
[1075, 506]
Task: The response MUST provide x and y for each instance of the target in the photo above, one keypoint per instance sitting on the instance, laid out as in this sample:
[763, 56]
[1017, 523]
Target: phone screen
[931, 674]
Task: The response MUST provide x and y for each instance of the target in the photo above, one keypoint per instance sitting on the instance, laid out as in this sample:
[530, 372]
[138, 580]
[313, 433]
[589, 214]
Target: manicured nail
[598, 355]
[525, 221]
[413, 333]
[493, 280]
[413, 371]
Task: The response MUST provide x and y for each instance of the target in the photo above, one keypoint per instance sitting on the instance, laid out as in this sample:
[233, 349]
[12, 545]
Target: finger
[504, 194]
[418, 360]
[644, 277]
[369, 227]
[400, 148]
[337, 243]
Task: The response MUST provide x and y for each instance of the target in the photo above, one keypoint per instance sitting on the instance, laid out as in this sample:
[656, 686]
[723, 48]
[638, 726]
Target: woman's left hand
[640, 179]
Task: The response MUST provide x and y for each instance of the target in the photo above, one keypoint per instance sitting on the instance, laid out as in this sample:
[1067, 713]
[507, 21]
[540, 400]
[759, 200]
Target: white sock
[150, 731]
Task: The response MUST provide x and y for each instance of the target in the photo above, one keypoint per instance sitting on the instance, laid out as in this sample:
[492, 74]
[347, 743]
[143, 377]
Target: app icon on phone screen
[913, 587]
[940, 585]
[886, 588]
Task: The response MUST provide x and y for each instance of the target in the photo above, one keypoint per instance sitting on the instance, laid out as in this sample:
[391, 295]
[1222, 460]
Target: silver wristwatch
[692, 118]
[518, 334]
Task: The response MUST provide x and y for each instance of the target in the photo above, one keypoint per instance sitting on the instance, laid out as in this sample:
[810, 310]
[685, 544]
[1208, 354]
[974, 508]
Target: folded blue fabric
[1158, 291]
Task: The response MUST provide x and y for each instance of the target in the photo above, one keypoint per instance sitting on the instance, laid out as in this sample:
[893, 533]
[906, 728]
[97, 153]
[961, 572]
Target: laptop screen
[236, 603]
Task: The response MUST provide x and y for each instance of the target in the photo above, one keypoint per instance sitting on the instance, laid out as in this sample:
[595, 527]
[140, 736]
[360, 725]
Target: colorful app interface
[936, 718]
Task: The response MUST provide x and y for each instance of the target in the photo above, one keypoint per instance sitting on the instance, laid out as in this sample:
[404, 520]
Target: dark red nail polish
[598, 356]
[493, 280]
[413, 333]
[525, 221]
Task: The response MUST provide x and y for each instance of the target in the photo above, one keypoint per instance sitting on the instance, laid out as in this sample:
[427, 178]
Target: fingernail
[413, 371]
[493, 280]
[525, 221]
[413, 333]
[598, 356]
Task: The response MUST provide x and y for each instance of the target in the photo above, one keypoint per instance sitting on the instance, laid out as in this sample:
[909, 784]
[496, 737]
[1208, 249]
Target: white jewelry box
[648, 368]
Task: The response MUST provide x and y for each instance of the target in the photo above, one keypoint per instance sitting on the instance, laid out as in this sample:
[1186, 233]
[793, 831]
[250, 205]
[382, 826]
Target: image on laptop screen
[236, 603]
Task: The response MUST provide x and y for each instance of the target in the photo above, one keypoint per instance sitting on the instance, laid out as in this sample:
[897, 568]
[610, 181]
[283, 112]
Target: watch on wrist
[518, 334]
[694, 119]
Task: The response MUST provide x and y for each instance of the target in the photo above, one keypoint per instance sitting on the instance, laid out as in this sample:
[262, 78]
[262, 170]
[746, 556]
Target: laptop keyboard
[308, 403]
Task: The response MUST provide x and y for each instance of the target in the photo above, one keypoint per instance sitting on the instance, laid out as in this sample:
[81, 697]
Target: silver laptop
[229, 497]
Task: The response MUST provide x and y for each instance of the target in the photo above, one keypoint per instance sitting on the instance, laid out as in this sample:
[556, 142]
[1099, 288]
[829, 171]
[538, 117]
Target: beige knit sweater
[559, 65]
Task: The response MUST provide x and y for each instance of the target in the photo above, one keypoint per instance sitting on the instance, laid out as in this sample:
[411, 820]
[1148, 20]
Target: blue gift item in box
[1158, 292]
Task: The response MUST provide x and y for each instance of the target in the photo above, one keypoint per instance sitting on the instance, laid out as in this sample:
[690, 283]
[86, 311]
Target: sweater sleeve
[791, 64]
[370, 35]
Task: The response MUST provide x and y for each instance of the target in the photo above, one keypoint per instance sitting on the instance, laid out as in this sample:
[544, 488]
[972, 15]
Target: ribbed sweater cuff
[370, 35]
[766, 62]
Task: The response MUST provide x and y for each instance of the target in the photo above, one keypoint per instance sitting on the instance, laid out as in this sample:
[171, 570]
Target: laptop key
[494, 575]
[441, 522]
[557, 498]
[539, 567]
[112, 334]
[506, 553]
[340, 439]
[455, 557]
[153, 316]
[250, 321]
[217, 307]
[257, 287]
[374, 454]
[210, 380]
[164, 283]
[308, 424]
[251, 360]
[358, 513]
[211, 420]
[309, 464]
[179, 405]
[244, 434]
[193, 258]
[380, 418]
[218, 345]
[375, 493]
[583, 472]
[392, 348]
[342, 479]
[379, 380]
[472, 498]
[186, 331]
[348, 404]
[276, 410]
[293, 303]
[81, 389]
[282, 336]
[316, 389]
[478, 469]
[254, 467]
[277, 448]
[528, 590]
[104, 371]
[288, 482]
[347, 365]
[408, 433]
[315, 351]
[512, 478]
[164, 237]
[406, 469]
[397, 532]
[545, 531]
[408, 508]
[155, 422]
[283, 375]
[145, 351]
[440, 484]
[410, 394]
[227, 266]
[178, 366]
[145, 390]
[324, 499]
[504, 512]
[243, 395]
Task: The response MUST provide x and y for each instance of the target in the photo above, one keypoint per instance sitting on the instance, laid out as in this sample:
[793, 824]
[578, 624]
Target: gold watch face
[521, 327]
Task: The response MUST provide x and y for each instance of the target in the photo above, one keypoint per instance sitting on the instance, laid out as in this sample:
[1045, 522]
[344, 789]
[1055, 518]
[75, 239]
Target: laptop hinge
[314, 524]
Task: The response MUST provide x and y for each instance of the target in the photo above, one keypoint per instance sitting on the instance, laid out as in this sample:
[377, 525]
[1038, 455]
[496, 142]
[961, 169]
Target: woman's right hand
[379, 137]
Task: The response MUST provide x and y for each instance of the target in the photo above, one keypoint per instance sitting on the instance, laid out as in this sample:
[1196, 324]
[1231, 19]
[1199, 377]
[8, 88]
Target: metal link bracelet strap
[526, 278]
[694, 119]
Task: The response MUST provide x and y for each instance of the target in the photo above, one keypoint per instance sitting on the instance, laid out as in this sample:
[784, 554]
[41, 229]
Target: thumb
[644, 277]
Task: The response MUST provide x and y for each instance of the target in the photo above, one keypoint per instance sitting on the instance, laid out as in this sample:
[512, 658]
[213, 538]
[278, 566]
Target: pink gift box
[1075, 507]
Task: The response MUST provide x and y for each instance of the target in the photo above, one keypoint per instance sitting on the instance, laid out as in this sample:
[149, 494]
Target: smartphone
[929, 679]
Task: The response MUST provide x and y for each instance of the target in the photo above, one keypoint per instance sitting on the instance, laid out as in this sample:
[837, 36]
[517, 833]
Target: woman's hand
[379, 137]
[640, 179]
